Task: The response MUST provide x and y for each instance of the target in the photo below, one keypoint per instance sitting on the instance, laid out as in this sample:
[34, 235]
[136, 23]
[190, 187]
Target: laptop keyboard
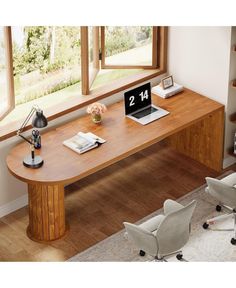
[144, 112]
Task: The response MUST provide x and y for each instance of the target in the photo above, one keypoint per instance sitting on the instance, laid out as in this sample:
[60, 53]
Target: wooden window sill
[76, 103]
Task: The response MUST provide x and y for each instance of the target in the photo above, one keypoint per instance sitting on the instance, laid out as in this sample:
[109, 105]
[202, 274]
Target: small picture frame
[167, 82]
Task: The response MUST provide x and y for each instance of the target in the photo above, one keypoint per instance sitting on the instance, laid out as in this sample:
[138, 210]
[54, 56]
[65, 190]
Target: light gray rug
[204, 245]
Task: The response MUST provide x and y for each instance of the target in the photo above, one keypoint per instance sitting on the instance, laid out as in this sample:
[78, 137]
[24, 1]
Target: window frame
[9, 72]
[159, 55]
[84, 60]
[88, 75]
[97, 94]
[96, 49]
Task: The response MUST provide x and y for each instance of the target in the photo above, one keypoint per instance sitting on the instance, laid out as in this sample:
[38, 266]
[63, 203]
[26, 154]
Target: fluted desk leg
[46, 212]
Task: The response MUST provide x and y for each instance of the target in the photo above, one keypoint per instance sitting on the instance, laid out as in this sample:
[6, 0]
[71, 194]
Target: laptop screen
[137, 98]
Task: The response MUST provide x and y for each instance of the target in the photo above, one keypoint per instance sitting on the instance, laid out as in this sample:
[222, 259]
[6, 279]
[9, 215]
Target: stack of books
[83, 142]
[166, 93]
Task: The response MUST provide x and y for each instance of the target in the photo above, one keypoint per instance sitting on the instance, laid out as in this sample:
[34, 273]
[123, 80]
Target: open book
[83, 142]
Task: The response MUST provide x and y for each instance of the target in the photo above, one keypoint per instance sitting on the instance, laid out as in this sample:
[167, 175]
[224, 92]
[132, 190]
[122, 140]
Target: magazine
[83, 142]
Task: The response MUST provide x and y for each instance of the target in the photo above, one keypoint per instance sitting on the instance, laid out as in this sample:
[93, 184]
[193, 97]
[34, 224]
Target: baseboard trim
[228, 161]
[13, 205]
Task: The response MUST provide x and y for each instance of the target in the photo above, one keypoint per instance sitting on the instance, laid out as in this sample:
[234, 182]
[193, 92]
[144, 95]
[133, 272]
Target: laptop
[139, 107]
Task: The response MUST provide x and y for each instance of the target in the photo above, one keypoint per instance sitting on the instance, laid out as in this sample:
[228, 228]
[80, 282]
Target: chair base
[231, 214]
[179, 256]
[142, 253]
[233, 241]
[218, 208]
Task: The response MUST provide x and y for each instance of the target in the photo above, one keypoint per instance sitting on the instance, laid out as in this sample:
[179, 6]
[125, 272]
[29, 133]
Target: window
[124, 51]
[129, 47]
[46, 63]
[57, 67]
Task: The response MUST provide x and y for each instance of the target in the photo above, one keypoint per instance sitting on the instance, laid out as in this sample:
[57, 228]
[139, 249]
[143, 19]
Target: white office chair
[163, 235]
[224, 191]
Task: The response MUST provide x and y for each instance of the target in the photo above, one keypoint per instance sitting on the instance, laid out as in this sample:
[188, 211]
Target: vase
[96, 118]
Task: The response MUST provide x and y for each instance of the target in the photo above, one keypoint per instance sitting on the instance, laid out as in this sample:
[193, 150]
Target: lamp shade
[39, 120]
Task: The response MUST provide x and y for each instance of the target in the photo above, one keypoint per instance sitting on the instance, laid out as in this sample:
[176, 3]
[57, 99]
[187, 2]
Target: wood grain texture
[203, 141]
[84, 60]
[46, 212]
[97, 205]
[95, 45]
[155, 44]
[162, 47]
[124, 137]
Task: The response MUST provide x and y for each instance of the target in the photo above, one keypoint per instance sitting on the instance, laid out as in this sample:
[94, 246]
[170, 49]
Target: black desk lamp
[39, 121]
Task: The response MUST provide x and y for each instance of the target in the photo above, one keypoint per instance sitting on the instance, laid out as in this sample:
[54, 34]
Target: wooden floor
[97, 205]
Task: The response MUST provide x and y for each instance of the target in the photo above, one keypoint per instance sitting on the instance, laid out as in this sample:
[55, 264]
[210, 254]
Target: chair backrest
[223, 192]
[173, 232]
[142, 238]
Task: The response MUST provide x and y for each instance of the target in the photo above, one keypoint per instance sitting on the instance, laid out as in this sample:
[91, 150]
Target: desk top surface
[124, 137]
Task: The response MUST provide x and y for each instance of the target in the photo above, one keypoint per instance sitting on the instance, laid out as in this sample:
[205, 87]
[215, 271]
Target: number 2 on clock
[131, 99]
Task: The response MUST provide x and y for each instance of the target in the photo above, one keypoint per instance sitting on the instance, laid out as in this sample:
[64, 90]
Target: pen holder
[36, 139]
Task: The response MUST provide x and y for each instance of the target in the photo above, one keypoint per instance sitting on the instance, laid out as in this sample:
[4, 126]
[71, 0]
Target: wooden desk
[194, 127]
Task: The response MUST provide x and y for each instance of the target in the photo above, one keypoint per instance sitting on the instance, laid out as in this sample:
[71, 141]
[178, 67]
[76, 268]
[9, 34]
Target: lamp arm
[26, 120]
[27, 140]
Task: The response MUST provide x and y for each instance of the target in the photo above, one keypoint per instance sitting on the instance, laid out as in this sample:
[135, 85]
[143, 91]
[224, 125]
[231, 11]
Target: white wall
[198, 58]
[13, 193]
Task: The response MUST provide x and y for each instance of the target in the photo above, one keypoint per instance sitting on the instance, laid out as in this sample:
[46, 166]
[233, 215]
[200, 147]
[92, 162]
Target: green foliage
[47, 49]
[145, 32]
[123, 38]
[34, 53]
[43, 90]
[113, 75]
[118, 40]
[67, 48]
[37, 48]
[53, 66]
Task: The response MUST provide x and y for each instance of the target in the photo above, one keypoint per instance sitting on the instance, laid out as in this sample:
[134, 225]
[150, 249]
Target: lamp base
[35, 163]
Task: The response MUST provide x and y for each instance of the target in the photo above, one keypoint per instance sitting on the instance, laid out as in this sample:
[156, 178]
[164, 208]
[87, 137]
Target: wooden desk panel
[202, 141]
[124, 137]
[194, 127]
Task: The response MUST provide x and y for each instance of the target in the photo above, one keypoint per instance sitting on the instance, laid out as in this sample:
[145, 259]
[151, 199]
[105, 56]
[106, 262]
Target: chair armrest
[171, 206]
[230, 180]
[143, 239]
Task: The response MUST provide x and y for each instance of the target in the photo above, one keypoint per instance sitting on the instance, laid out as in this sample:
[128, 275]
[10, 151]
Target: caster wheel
[205, 225]
[218, 208]
[142, 253]
[233, 241]
[179, 256]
